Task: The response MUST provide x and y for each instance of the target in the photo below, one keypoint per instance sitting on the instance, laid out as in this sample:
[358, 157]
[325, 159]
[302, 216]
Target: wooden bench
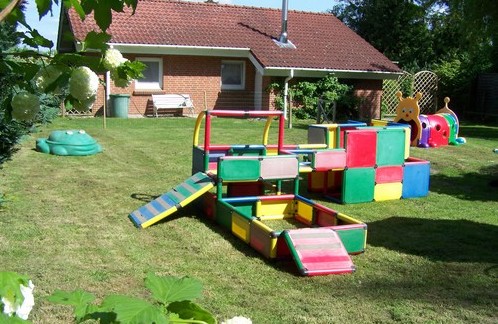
[172, 102]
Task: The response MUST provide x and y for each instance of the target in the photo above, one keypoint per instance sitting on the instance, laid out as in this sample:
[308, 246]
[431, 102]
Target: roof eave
[154, 49]
[180, 50]
[343, 74]
[241, 52]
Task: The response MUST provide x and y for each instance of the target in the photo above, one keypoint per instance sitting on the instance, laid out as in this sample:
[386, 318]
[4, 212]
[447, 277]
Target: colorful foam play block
[304, 212]
[323, 134]
[385, 174]
[358, 185]
[263, 239]
[241, 226]
[239, 169]
[223, 214]
[328, 160]
[388, 191]
[361, 148]
[390, 146]
[416, 175]
[354, 237]
[326, 218]
[279, 167]
[274, 208]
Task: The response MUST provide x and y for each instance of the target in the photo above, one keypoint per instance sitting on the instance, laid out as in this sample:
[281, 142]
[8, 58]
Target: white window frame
[241, 86]
[140, 85]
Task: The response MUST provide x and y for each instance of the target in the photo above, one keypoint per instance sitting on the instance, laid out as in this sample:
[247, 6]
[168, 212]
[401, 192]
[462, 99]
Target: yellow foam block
[305, 211]
[388, 191]
[332, 137]
[379, 122]
[408, 141]
[241, 227]
[274, 207]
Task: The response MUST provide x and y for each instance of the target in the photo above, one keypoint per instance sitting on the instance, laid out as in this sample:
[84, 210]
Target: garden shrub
[306, 95]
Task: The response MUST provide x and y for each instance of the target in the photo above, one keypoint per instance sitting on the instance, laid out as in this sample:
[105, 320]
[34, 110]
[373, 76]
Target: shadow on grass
[481, 185]
[194, 211]
[145, 198]
[438, 240]
[484, 132]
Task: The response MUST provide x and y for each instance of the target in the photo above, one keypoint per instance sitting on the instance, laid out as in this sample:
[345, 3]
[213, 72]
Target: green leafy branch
[172, 303]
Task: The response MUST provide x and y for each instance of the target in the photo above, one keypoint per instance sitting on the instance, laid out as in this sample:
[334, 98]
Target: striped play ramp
[318, 251]
[170, 202]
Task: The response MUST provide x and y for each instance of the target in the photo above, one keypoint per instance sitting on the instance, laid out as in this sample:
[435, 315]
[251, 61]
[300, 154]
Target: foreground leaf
[4, 319]
[10, 286]
[188, 310]
[96, 41]
[171, 289]
[79, 299]
[131, 310]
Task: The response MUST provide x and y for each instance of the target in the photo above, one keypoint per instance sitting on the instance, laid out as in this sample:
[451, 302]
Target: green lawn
[64, 223]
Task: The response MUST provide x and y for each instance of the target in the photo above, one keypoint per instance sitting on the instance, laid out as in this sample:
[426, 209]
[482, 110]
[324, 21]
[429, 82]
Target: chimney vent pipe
[283, 35]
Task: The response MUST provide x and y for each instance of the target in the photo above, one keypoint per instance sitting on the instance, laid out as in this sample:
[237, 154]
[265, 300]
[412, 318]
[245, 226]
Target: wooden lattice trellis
[424, 82]
[74, 112]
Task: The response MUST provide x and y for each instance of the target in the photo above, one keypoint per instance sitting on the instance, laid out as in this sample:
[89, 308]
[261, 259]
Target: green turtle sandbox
[68, 142]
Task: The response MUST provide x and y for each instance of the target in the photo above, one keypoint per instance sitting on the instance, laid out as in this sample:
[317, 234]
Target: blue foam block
[416, 179]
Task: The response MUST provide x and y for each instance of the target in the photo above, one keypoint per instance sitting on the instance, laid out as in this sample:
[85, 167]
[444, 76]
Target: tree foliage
[306, 94]
[31, 69]
[397, 28]
[457, 39]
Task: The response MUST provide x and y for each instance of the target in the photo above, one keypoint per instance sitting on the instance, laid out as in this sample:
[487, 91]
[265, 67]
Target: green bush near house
[306, 95]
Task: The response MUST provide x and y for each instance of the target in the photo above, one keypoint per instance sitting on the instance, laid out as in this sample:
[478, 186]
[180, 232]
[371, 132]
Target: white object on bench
[172, 102]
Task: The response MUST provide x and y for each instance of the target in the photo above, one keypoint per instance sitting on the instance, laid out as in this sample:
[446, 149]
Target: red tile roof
[321, 40]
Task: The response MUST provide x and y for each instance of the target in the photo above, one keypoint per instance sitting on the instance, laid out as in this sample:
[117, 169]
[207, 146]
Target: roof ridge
[197, 3]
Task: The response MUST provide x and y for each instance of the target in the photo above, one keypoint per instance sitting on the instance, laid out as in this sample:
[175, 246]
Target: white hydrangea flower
[22, 311]
[83, 84]
[46, 76]
[119, 82]
[112, 59]
[25, 106]
[29, 301]
[9, 308]
[238, 320]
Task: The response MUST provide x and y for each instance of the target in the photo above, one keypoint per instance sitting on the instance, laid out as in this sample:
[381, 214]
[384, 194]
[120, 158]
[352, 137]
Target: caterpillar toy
[427, 131]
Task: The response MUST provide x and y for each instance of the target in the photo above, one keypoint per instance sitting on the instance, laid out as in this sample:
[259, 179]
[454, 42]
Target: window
[233, 75]
[153, 74]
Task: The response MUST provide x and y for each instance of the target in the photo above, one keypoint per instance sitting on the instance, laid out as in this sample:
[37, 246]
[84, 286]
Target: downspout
[286, 91]
[107, 88]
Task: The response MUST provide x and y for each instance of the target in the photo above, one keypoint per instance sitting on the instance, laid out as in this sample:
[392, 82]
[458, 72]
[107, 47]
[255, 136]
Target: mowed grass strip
[65, 224]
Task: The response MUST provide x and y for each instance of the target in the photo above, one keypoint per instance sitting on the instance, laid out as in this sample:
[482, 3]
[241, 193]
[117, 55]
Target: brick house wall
[370, 91]
[200, 77]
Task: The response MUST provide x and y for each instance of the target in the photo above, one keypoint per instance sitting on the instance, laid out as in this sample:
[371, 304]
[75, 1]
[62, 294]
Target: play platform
[255, 187]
